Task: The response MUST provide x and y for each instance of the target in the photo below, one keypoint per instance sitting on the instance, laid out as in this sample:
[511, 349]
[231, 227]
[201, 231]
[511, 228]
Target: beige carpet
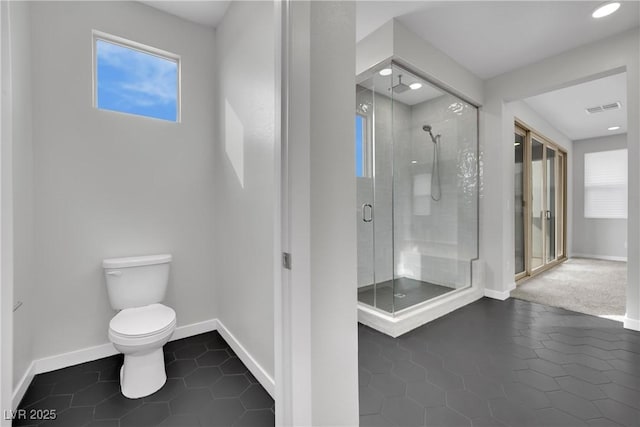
[584, 285]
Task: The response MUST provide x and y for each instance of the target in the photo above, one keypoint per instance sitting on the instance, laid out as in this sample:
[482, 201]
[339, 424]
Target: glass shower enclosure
[417, 189]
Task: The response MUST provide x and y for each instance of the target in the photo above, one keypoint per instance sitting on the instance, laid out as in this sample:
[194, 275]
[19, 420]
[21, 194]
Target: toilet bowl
[136, 286]
[139, 333]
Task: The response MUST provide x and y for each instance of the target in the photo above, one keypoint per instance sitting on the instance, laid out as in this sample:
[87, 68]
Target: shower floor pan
[422, 302]
[407, 292]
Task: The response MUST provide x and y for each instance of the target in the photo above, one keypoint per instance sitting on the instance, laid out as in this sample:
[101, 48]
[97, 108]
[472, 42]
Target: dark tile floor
[207, 385]
[502, 363]
[400, 293]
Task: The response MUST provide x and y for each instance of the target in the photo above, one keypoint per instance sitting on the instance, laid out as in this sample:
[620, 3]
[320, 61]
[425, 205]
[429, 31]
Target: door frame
[525, 202]
[560, 162]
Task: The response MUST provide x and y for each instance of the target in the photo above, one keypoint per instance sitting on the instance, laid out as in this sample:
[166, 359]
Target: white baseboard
[633, 324]
[499, 295]
[252, 364]
[22, 386]
[88, 354]
[604, 257]
[63, 360]
[194, 329]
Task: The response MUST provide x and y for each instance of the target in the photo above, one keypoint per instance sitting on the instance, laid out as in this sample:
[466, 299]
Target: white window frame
[129, 44]
[588, 213]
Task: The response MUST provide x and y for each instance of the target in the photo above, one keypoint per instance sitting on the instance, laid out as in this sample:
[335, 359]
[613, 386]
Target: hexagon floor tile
[528, 365]
[208, 385]
[502, 363]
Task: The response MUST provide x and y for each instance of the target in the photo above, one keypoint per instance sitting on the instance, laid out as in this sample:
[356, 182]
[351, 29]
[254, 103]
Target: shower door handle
[367, 207]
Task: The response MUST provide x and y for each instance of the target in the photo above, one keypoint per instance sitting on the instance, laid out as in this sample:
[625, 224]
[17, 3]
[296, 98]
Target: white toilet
[136, 286]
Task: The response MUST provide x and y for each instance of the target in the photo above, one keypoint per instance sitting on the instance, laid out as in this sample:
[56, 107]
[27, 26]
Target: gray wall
[23, 202]
[595, 237]
[110, 184]
[244, 177]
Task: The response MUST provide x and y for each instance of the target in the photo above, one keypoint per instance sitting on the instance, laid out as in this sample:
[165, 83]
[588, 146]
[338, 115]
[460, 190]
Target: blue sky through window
[359, 145]
[135, 82]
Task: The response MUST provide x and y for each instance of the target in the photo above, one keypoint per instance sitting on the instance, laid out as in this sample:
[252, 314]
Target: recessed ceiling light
[415, 86]
[606, 9]
[414, 161]
[614, 128]
[386, 72]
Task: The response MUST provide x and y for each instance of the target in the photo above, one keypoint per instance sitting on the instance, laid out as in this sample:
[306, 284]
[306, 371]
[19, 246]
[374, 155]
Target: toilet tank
[136, 281]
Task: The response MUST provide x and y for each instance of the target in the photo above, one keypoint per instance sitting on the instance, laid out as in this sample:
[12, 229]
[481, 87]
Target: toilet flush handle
[114, 273]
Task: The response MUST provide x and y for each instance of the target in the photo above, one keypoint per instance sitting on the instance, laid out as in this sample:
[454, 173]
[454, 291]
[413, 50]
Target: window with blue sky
[130, 80]
[360, 147]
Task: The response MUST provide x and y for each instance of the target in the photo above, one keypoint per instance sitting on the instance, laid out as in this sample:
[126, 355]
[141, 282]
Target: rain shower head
[400, 87]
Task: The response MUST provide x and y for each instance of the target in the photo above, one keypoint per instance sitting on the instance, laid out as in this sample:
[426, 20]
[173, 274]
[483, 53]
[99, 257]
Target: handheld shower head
[427, 128]
[435, 166]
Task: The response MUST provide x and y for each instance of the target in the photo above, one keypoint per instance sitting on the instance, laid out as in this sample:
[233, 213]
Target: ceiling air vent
[612, 106]
[606, 107]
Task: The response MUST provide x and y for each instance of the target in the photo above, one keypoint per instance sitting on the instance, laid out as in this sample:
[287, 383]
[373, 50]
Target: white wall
[6, 217]
[245, 177]
[110, 184]
[23, 203]
[334, 344]
[438, 66]
[605, 57]
[324, 342]
[595, 237]
[395, 40]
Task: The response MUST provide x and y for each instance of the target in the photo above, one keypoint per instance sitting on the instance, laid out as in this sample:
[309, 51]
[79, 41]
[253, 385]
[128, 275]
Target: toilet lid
[141, 321]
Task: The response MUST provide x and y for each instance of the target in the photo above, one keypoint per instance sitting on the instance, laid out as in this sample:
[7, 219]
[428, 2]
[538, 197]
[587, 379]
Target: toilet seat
[141, 322]
[140, 333]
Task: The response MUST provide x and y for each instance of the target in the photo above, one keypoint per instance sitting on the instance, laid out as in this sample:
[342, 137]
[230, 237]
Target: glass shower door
[417, 175]
[364, 209]
[373, 150]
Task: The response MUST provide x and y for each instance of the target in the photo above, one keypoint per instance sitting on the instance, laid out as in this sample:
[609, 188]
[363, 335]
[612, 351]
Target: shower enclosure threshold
[410, 318]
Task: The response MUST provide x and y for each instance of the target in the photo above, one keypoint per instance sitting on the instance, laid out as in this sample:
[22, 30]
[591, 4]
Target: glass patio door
[540, 203]
[551, 213]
